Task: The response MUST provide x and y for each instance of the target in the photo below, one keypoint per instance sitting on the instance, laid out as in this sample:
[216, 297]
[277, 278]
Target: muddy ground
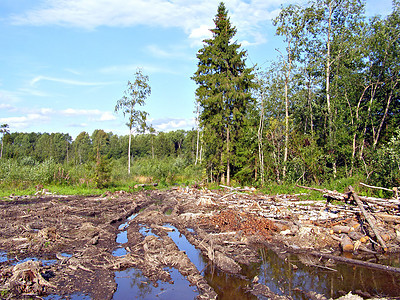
[78, 235]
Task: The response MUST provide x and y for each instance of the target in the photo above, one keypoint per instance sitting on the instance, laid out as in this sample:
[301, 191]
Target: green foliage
[102, 172]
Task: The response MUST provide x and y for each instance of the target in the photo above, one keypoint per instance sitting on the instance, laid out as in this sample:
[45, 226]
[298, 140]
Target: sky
[64, 64]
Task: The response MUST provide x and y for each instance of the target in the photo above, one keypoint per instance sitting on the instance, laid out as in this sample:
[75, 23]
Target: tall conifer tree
[224, 94]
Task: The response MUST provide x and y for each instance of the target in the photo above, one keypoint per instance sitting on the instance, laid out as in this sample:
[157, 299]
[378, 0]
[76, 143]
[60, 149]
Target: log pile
[377, 218]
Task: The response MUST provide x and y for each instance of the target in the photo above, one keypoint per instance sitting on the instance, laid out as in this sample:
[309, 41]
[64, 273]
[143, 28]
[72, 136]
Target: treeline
[98, 159]
[38, 147]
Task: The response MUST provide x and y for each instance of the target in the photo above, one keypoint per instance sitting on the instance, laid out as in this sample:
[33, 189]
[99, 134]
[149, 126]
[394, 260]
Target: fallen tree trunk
[368, 218]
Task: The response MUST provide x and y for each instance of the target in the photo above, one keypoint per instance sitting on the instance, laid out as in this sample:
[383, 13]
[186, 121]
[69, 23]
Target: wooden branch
[368, 218]
[376, 187]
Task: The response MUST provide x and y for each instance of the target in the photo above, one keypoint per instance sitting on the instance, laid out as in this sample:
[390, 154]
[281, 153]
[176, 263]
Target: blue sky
[65, 63]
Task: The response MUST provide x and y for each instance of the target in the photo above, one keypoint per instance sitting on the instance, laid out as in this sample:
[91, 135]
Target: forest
[326, 109]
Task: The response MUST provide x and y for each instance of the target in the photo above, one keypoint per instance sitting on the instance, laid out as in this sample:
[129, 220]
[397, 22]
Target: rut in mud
[84, 241]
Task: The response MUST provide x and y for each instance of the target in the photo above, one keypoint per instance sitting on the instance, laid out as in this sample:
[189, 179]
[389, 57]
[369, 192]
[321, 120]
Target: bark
[129, 150]
[228, 168]
[260, 141]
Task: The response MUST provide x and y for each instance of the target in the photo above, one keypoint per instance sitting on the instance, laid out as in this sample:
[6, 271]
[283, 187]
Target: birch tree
[135, 94]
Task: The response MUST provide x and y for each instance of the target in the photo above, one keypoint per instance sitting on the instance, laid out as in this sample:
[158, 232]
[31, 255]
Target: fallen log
[346, 244]
[368, 218]
[388, 218]
[356, 262]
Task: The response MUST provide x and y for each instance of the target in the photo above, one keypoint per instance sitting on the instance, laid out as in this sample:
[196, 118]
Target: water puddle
[183, 244]
[146, 231]
[125, 225]
[122, 237]
[292, 277]
[45, 262]
[119, 252]
[3, 256]
[130, 218]
[131, 283]
[66, 255]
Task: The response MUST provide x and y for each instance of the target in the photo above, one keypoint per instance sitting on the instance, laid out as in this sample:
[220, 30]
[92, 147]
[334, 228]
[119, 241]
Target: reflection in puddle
[292, 277]
[123, 226]
[3, 256]
[45, 262]
[122, 237]
[279, 275]
[119, 252]
[66, 254]
[145, 231]
[183, 244]
[130, 218]
[132, 284]
[126, 224]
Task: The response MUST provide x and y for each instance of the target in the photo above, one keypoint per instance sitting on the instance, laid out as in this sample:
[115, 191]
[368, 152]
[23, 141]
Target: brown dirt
[87, 227]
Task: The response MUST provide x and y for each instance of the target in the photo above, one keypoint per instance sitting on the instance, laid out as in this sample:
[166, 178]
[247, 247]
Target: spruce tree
[224, 95]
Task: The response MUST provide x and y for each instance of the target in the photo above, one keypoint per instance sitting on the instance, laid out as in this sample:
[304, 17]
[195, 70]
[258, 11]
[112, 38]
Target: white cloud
[24, 121]
[172, 124]
[6, 106]
[66, 81]
[193, 17]
[9, 97]
[92, 114]
[131, 69]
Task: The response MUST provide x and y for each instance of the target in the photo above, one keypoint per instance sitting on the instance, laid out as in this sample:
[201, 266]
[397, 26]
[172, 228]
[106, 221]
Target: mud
[80, 236]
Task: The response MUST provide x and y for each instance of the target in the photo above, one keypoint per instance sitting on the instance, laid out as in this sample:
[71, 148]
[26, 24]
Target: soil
[79, 235]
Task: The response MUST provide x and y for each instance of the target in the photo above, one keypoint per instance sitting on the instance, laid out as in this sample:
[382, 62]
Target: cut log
[342, 229]
[368, 218]
[346, 244]
[355, 236]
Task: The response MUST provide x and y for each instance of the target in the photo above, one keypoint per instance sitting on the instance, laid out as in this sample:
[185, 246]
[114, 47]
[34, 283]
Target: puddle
[122, 237]
[3, 256]
[123, 226]
[132, 284]
[284, 279]
[183, 244]
[146, 231]
[119, 252]
[130, 218]
[66, 254]
[45, 262]
[126, 224]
